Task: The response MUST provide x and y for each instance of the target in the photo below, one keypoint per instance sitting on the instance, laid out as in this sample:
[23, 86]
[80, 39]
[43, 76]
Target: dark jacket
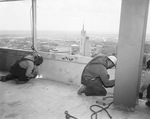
[97, 68]
[148, 64]
[17, 70]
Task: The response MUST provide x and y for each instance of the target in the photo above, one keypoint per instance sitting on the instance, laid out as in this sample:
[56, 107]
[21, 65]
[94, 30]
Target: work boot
[147, 103]
[81, 89]
[140, 95]
[0, 78]
[3, 78]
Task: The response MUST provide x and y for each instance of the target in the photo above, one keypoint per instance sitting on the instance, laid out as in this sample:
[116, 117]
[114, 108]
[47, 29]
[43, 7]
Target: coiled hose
[102, 108]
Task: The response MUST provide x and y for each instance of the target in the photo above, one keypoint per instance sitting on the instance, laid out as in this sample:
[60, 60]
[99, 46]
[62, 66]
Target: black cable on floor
[102, 108]
[68, 116]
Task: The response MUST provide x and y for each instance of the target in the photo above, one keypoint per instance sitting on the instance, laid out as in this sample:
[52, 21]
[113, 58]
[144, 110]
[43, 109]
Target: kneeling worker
[146, 85]
[24, 69]
[95, 78]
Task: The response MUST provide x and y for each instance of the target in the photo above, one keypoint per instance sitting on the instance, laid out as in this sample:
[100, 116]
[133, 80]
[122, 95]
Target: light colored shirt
[145, 80]
[28, 65]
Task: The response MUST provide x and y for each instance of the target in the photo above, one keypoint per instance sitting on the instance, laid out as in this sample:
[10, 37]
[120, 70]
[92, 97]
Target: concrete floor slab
[44, 99]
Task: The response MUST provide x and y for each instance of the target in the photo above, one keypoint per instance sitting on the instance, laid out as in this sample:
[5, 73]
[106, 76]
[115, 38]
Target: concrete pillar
[130, 52]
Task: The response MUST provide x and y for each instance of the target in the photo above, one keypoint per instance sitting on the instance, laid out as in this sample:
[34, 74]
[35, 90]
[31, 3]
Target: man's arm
[35, 71]
[30, 69]
[105, 78]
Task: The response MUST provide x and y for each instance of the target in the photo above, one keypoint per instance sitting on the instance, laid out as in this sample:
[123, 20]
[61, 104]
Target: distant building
[85, 45]
[62, 50]
[82, 41]
[74, 49]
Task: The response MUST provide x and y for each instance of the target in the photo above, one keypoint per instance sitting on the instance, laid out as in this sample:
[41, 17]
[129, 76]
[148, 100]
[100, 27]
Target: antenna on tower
[83, 32]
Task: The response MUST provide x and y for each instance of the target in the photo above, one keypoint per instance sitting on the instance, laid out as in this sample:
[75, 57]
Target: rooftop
[46, 99]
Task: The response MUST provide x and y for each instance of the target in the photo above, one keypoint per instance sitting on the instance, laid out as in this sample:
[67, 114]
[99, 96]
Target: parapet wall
[61, 68]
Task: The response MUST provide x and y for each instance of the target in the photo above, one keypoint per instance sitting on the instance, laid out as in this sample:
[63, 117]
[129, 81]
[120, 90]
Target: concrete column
[130, 52]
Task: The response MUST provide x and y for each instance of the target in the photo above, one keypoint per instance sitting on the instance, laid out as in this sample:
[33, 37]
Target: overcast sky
[97, 15]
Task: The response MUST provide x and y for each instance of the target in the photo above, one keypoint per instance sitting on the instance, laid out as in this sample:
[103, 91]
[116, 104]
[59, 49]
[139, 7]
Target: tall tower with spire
[83, 32]
[82, 42]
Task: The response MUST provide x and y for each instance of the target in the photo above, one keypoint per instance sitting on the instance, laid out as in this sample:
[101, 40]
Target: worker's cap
[38, 59]
[113, 59]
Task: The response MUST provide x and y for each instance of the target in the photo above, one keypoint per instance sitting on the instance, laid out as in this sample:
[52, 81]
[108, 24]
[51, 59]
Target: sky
[62, 15]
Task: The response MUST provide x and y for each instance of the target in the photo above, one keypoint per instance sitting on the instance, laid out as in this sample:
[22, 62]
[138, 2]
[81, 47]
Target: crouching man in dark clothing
[146, 85]
[147, 88]
[24, 69]
[148, 96]
[95, 78]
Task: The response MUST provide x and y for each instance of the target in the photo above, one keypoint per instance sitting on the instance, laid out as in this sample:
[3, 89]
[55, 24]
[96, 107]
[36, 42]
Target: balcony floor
[45, 99]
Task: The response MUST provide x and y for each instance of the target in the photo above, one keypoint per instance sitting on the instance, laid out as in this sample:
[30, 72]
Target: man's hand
[35, 72]
[108, 76]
